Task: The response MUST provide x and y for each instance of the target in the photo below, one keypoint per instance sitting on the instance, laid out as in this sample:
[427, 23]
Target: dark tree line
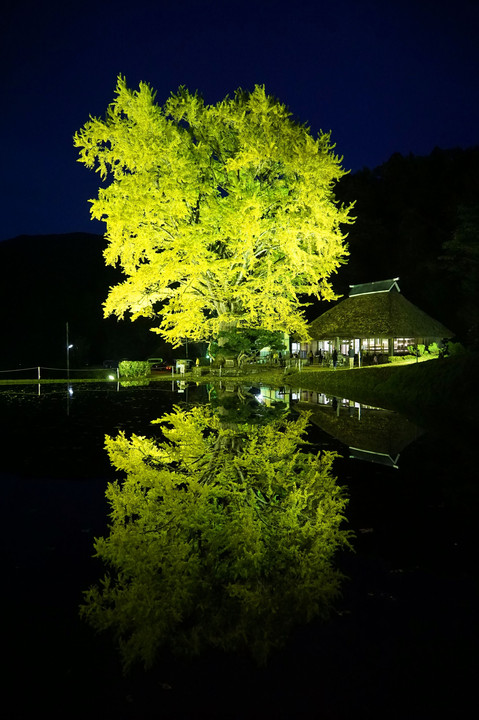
[417, 218]
[49, 280]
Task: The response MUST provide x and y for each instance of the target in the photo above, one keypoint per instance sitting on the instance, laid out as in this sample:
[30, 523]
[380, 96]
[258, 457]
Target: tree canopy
[461, 260]
[219, 215]
[246, 344]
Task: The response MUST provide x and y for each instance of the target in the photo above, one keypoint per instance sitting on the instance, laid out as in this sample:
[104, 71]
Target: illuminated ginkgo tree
[220, 216]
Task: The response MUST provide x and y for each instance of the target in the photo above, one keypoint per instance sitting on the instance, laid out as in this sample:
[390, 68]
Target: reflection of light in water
[69, 395]
[182, 387]
[317, 398]
[267, 395]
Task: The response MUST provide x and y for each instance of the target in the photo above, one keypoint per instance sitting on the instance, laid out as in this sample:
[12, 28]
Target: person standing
[310, 357]
[351, 357]
[335, 358]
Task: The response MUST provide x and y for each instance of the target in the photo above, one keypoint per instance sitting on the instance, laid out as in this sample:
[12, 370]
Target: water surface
[405, 627]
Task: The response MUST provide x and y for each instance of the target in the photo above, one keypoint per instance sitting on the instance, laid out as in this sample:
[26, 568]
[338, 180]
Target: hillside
[49, 280]
[407, 210]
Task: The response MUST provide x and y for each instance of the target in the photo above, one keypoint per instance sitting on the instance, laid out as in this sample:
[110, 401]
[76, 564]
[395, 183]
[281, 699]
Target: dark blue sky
[384, 77]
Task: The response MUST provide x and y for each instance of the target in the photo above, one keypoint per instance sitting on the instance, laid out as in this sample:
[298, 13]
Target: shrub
[134, 368]
[416, 350]
[455, 348]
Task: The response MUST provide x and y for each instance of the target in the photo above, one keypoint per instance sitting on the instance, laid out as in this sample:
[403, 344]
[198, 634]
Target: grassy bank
[424, 391]
[421, 391]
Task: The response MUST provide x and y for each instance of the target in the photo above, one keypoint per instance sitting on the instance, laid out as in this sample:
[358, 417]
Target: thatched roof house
[377, 313]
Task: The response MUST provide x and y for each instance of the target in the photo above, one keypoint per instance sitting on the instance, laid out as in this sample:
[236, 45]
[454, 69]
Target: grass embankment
[53, 381]
[426, 392]
[423, 391]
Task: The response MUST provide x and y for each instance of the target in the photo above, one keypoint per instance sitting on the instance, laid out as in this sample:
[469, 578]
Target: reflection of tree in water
[221, 535]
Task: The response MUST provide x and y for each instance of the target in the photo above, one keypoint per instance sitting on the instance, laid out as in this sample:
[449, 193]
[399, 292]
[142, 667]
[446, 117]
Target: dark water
[402, 641]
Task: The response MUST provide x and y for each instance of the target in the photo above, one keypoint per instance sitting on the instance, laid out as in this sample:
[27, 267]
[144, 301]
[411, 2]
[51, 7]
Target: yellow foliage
[221, 535]
[219, 215]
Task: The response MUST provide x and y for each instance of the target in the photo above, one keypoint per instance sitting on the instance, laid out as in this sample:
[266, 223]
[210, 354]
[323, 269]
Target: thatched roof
[377, 314]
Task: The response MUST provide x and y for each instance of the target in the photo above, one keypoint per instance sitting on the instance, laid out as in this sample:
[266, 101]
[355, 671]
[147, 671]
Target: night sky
[384, 77]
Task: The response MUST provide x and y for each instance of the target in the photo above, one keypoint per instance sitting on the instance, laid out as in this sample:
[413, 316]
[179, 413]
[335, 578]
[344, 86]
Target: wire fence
[41, 372]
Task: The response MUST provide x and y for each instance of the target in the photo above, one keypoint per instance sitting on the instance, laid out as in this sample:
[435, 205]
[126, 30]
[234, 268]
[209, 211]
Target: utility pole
[68, 355]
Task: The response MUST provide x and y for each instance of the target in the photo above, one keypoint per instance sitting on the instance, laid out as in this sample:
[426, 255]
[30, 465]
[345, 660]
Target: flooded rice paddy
[401, 640]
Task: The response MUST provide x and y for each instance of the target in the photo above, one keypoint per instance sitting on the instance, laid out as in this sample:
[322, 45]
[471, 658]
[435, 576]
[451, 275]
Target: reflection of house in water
[268, 395]
[264, 394]
[371, 433]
